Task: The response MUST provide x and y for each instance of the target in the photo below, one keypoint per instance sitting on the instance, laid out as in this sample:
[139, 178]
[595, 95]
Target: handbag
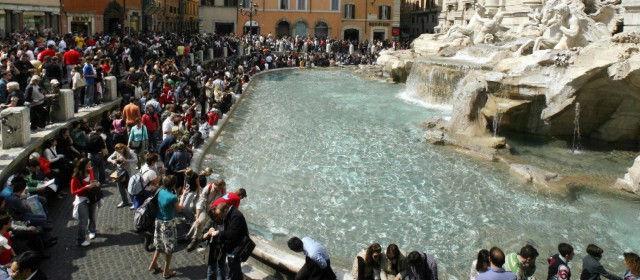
[244, 250]
[135, 145]
[94, 195]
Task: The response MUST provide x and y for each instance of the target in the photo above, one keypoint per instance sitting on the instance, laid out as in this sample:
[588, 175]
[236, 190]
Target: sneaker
[132, 208]
[122, 204]
[92, 235]
[84, 244]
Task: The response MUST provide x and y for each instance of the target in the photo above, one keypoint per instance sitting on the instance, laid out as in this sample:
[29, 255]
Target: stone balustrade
[16, 131]
[110, 88]
[62, 106]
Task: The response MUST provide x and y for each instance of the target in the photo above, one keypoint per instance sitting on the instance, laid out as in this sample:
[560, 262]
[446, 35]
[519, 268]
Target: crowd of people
[170, 105]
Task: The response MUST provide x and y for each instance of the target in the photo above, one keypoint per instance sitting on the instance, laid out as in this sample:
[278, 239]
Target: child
[559, 263]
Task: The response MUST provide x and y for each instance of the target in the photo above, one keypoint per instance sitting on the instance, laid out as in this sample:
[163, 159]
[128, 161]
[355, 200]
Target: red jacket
[149, 122]
[79, 187]
[45, 53]
[44, 165]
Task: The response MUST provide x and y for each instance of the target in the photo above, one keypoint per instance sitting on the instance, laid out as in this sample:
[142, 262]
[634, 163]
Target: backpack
[145, 215]
[135, 184]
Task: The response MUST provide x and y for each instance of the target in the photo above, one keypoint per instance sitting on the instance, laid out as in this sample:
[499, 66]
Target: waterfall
[576, 130]
[496, 122]
[431, 84]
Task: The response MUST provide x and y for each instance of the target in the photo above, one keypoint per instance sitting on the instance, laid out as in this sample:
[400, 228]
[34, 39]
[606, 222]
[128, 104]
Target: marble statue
[490, 26]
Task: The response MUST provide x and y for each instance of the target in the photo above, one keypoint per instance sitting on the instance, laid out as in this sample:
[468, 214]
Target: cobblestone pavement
[116, 253]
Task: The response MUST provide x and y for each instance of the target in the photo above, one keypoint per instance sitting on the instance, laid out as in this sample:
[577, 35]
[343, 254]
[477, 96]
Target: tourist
[632, 261]
[421, 266]
[131, 112]
[78, 85]
[209, 194]
[6, 252]
[192, 184]
[97, 151]
[234, 230]
[165, 235]
[35, 96]
[4, 80]
[317, 264]
[119, 129]
[66, 148]
[26, 267]
[89, 74]
[151, 120]
[150, 179]
[232, 198]
[559, 263]
[18, 210]
[139, 140]
[591, 267]
[71, 58]
[480, 264]
[178, 162]
[13, 90]
[523, 264]
[495, 271]
[125, 162]
[13, 102]
[366, 265]
[79, 136]
[23, 65]
[82, 182]
[393, 267]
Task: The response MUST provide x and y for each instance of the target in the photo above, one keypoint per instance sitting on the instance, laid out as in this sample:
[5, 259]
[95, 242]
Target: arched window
[322, 30]
[301, 28]
[283, 29]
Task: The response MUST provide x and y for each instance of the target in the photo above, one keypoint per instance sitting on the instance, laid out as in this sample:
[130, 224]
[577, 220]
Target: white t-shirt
[167, 125]
[148, 174]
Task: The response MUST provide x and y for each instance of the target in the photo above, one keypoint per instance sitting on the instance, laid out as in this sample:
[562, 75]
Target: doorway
[352, 34]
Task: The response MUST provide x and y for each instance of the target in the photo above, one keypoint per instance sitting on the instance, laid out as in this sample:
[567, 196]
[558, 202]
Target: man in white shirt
[167, 125]
[317, 264]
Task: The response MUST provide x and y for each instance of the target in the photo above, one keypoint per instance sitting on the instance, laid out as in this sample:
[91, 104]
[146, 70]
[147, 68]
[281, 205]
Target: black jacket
[235, 228]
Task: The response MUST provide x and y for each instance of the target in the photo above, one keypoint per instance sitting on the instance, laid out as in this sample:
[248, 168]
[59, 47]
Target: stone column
[240, 50]
[631, 15]
[210, 54]
[225, 52]
[110, 88]
[62, 109]
[200, 56]
[16, 130]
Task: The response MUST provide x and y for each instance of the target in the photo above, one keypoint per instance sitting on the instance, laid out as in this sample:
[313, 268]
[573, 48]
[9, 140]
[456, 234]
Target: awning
[248, 23]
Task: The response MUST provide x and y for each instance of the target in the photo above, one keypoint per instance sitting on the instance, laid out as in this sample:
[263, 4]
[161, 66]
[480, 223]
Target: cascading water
[432, 84]
[496, 122]
[576, 130]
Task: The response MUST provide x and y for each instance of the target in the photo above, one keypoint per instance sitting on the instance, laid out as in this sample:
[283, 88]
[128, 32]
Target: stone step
[254, 273]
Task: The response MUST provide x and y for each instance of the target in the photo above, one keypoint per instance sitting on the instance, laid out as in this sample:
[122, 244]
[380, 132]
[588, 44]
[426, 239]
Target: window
[322, 30]
[349, 11]
[230, 3]
[335, 5]
[384, 12]
[284, 4]
[301, 28]
[302, 4]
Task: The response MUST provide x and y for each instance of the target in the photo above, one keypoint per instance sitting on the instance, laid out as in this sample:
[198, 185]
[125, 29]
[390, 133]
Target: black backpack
[145, 216]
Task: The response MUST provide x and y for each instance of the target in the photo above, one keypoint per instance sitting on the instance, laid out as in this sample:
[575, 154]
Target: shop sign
[80, 19]
[379, 24]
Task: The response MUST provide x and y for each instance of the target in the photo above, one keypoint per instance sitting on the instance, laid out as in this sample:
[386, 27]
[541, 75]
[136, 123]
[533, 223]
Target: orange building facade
[343, 19]
[108, 16]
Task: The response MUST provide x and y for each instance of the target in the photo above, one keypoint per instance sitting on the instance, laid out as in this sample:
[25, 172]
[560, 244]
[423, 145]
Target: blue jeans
[235, 271]
[124, 196]
[89, 93]
[98, 164]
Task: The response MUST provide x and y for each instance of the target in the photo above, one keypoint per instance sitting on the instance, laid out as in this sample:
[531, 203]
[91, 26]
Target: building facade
[219, 16]
[35, 15]
[176, 16]
[108, 16]
[343, 19]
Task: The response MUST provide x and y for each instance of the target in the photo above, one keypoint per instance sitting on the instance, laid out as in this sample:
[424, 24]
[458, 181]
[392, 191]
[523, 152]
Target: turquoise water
[331, 155]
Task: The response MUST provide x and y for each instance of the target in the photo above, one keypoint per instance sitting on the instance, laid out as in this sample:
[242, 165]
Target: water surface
[331, 155]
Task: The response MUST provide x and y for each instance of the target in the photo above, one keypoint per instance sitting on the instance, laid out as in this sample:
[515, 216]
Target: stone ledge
[12, 159]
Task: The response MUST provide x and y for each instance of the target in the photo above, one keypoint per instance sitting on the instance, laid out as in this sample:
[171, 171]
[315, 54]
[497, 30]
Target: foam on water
[329, 155]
